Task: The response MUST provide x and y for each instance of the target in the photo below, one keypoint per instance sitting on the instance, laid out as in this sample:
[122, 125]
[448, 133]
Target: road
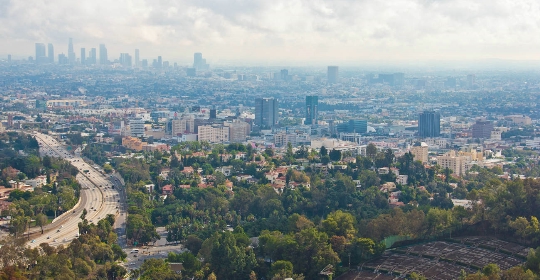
[100, 195]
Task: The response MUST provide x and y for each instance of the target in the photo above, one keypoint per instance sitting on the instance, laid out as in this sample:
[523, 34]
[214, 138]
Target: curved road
[98, 197]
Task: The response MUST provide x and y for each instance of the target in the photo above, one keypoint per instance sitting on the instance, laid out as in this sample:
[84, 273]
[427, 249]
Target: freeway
[99, 196]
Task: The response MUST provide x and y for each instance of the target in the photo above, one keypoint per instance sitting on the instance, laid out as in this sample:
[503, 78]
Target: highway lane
[97, 197]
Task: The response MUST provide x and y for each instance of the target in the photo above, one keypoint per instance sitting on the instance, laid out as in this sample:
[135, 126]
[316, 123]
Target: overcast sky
[279, 30]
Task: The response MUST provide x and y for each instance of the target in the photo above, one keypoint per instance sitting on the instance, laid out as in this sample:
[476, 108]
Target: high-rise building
[71, 52]
[284, 74]
[40, 53]
[429, 124]
[333, 74]
[144, 63]
[9, 58]
[103, 58]
[62, 59]
[83, 56]
[50, 53]
[312, 109]
[482, 129]
[92, 57]
[137, 62]
[125, 60]
[199, 63]
[266, 112]
[159, 63]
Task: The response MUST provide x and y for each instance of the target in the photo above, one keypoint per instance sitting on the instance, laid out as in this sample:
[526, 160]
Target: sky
[279, 31]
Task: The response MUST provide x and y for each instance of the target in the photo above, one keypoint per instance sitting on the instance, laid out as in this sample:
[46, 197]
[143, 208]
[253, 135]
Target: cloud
[320, 30]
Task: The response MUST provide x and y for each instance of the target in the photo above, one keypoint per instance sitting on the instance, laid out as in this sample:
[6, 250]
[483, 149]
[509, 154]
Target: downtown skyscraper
[92, 57]
[50, 53]
[137, 61]
[83, 56]
[40, 53]
[71, 52]
[103, 58]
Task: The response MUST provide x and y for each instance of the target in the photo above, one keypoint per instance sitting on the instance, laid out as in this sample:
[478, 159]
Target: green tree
[371, 151]
[335, 155]
[340, 223]
[41, 220]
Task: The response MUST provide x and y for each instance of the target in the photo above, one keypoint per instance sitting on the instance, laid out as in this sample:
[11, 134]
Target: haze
[270, 32]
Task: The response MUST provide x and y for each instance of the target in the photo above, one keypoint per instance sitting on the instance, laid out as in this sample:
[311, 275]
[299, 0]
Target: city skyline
[256, 31]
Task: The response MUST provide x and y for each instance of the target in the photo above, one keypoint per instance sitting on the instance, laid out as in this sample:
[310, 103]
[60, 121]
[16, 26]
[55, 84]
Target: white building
[402, 179]
[136, 127]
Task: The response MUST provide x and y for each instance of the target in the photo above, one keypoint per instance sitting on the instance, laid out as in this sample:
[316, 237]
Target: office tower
[40, 53]
[429, 124]
[137, 62]
[165, 64]
[9, 58]
[83, 56]
[62, 59]
[352, 126]
[482, 129]
[50, 55]
[197, 59]
[125, 60]
[144, 63]
[333, 74]
[199, 63]
[159, 62]
[471, 80]
[266, 112]
[92, 57]
[71, 52]
[312, 112]
[103, 58]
